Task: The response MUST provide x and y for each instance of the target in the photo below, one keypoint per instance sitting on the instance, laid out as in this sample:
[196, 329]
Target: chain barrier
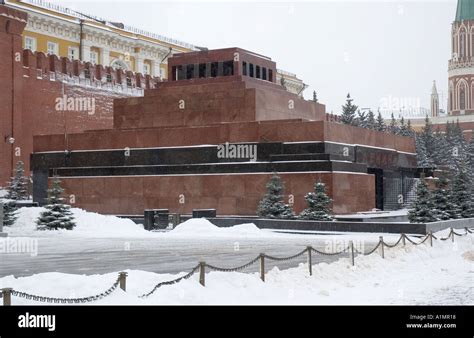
[369, 252]
[238, 268]
[171, 282]
[43, 299]
[415, 243]
[395, 244]
[281, 259]
[331, 253]
[212, 267]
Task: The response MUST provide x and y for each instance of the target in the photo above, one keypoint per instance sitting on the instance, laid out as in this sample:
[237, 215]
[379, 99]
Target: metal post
[431, 238]
[202, 273]
[452, 235]
[382, 253]
[7, 296]
[351, 244]
[310, 263]
[262, 267]
[403, 240]
[123, 280]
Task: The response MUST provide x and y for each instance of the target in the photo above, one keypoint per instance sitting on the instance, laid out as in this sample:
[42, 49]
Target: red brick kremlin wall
[32, 82]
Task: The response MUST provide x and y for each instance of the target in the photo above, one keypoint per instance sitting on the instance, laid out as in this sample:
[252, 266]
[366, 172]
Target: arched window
[462, 44]
[119, 64]
[462, 97]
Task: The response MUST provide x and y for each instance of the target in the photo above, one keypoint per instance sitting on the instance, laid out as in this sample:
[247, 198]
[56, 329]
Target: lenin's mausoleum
[162, 149]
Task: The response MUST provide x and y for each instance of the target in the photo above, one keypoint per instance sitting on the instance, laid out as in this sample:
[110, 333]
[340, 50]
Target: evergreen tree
[349, 111]
[427, 142]
[393, 127]
[410, 130]
[18, 187]
[371, 123]
[315, 96]
[422, 157]
[319, 204]
[423, 206]
[461, 193]
[380, 123]
[442, 204]
[403, 129]
[57, 214]
[470, 161]
[9, 212]
[272, 205]
[442, 154]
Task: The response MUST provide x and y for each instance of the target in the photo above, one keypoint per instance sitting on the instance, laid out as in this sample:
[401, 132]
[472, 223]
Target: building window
[73, 53]
[109, 78]
[146, 69]
[462, 49]
[129, 82]
[94, 57]
[264, 73]
[214, 67]
[257, 72]
[52, 48]
[189, 72]
[30, 43]
[180, 73]
[87, 73]
[250, 70]
[270, 75]
[462, 98]
[244, 68]
[228, 68]
[202, 70]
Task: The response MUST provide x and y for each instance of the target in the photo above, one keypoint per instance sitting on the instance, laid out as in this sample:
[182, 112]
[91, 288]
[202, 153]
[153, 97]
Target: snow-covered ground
[443, 274]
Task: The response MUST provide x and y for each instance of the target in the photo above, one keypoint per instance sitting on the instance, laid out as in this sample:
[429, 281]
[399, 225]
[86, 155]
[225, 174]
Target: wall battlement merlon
[41, 64]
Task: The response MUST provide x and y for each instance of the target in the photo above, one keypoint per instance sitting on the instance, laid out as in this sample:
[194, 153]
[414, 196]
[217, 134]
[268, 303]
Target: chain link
[238, 268]
[395, 244]
[272, 258]
[415, 243]
[55, 300]
[330, 253]
[171, 282]
[369, 252]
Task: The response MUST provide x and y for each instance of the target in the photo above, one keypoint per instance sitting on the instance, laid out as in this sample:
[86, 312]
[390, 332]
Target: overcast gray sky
[376, 50]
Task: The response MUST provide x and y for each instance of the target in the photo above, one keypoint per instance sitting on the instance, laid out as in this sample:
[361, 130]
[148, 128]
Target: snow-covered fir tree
[423, 160]
[272, 205]
[315, 96]
[360, 120]
[380, 123]
[371, 123]
[348, 115]
[57, 214]
[422, 211]
[462, 194]
[319, 204]
[441, 203]
[393, 126]
[9, 212]
[18, 187]
[470, 162]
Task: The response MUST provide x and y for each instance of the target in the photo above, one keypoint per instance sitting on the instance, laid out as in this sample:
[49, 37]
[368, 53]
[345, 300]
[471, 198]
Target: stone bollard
[382, 253]
[123, 280]
[202, 273]
[262, 267]
[351, 245]
[403, 240]
[7, 296]
[452, 235]
[310, 263]
[431, 238]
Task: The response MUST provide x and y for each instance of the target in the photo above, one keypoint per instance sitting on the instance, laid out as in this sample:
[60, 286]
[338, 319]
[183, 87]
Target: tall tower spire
[460, 71]
[434, 101]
